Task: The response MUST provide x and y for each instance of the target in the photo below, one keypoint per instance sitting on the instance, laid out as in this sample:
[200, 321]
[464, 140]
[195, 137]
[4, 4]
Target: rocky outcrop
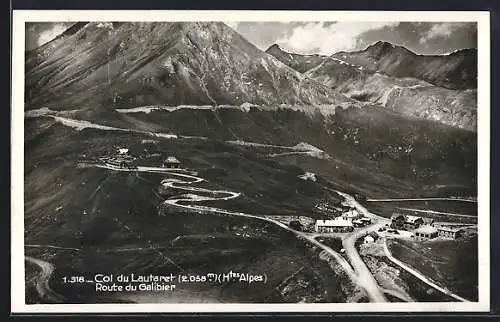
[300, 63]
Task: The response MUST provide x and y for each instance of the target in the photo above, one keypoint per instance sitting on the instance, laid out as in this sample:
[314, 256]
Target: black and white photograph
[251, 162]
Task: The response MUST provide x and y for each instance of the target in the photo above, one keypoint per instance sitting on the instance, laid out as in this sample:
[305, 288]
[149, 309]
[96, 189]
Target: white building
[368, 239]
[338, 225]
[122, 151]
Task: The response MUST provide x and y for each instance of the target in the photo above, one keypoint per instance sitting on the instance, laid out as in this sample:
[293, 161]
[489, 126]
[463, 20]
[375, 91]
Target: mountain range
[169, 63]
[440, 88]
[120, 65]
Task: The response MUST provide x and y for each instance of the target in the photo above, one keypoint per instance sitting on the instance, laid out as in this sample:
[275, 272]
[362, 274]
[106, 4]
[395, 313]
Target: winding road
[182, 179]
[364, 274]
[360, 274]
[365, 277]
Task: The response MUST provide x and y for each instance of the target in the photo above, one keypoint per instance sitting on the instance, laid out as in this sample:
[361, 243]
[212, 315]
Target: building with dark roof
[406, 222]
[413, 222]
[397, 221]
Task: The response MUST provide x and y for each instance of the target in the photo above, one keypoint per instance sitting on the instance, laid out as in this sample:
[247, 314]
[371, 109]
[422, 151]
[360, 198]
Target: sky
[41, 32]
[325, 37]
[330, 37]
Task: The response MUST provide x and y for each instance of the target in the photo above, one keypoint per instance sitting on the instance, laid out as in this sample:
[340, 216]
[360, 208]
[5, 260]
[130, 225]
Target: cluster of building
[346, 222]
[423, 228]
[429, 232]
[122, 158]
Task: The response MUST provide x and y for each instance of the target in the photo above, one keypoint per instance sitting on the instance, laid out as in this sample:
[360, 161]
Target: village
[422, 228]
[401, 225]
[345, 219]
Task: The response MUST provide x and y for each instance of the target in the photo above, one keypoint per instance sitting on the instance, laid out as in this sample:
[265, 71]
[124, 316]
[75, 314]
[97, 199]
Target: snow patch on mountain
[107, 25]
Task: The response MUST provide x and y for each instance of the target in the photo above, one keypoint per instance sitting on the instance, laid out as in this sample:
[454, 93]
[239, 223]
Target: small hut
[171, 162]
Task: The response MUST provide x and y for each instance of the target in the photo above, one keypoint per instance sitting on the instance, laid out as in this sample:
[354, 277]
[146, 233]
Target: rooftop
[412, 219]
[338, 222]
[351, 213]
[450, 229]
[426, 230]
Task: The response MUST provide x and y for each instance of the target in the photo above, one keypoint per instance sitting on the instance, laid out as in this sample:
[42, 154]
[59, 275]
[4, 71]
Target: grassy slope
[416, 288]
[451, 263]
[373, 150]
[103, 210]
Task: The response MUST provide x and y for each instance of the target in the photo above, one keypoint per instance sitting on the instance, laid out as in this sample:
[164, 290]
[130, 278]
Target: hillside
[457, 70]
[170, 63]
[409, 96]
[391, 76]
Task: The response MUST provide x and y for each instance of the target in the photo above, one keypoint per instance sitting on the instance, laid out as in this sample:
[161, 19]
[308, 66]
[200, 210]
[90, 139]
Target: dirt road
[363, 274]
[419, 275]
[42, 282]
[360, 274]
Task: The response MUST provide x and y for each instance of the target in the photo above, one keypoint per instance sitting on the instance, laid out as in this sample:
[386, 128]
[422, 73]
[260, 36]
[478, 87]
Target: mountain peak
[381, 48]
[274, 47]
[299, 62]
[167, 63]
[383, 43]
